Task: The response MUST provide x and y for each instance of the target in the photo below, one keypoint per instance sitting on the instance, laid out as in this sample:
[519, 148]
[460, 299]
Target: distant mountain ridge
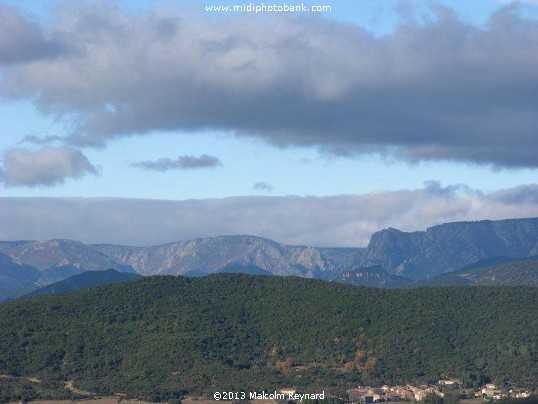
[415, 255]
[210, 255]
[28, 265]
[448, 247]
[511, 273]
[498, 271]
[14, 275]
[84, 280]
[58, 253]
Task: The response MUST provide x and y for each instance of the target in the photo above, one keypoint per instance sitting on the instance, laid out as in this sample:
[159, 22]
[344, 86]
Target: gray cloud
[435, 188]
[262, 186]
[345, 220]
[42, 140]
[523, 194]
[435, 89]
[22, 40]
[45, 167]
[181, 163]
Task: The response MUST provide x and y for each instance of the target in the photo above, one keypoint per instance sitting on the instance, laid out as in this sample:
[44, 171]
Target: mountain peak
[416, 255]
[448, 247]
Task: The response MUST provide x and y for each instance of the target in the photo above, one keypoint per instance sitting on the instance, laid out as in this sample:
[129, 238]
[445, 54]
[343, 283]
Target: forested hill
[162, 336]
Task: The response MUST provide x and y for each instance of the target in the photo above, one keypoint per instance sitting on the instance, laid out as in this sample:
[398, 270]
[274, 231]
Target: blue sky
[292, 158]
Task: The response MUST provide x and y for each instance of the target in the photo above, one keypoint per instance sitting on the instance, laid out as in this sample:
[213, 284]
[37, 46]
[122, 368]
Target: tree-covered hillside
[160, 337]
[512, 273]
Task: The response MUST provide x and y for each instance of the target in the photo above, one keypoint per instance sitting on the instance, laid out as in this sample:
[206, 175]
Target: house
[399, 393]
[449, 382]
[488, 390]
[421, 393]
[492, 391]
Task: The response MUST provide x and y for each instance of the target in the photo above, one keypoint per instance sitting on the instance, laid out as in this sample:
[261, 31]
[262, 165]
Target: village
[446, 388]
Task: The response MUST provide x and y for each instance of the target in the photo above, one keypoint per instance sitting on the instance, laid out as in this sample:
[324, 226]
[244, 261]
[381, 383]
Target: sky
[146, 122]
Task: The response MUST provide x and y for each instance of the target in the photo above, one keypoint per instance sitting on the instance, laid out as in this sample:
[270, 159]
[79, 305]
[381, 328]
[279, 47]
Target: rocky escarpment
[448, 247]
[208, 255]
[58, 253]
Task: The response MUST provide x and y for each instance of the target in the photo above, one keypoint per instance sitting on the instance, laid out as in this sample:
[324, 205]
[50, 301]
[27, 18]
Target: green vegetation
[162, 337]
[23, 390]
[512, 273]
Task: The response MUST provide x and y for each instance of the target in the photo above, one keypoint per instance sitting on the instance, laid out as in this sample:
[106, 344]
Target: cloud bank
[181, 163]
[31, 42]
[435, 89]
[346, 220]
[45, 167]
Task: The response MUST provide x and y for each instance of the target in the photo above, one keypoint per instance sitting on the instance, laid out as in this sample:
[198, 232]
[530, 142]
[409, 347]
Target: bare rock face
[448, 247]
[57, 253]
[417, 255]
[209, 255]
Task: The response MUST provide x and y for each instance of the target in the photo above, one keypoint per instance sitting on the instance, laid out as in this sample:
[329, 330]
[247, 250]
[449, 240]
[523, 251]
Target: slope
[373, 277]
[161, 337]
[511, 273]
[84, 280]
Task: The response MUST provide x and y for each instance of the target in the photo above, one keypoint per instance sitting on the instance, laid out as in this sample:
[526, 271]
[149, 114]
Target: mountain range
[209, 255]
[449, 247]
[392, 258]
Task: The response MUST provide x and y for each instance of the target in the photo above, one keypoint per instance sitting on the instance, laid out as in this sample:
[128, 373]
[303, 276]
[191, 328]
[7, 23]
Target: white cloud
[45, 167]
[346, 220]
